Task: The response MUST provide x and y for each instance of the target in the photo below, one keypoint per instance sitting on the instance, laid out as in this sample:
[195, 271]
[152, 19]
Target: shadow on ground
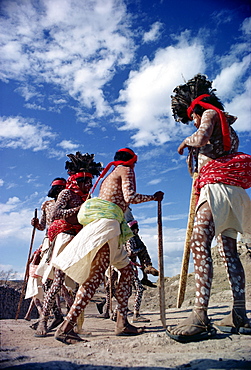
[204, 364]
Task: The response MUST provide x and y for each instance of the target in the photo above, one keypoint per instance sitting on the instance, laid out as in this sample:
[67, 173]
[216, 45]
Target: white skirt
[78, 255]
[230, 206]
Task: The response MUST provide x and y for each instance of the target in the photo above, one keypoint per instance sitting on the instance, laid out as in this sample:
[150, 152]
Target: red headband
[223, 120]
[117, 163]
[58, 182]
[81, 174]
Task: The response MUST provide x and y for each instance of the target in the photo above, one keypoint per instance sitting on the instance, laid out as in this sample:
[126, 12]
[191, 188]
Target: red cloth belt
[60, 226]
[232, 169]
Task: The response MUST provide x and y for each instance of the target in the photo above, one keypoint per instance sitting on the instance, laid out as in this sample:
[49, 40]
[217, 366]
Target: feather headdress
[185, 94]
[83, 163]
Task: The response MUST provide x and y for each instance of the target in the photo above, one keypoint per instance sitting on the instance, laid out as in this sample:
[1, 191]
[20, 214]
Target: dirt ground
[153, 350]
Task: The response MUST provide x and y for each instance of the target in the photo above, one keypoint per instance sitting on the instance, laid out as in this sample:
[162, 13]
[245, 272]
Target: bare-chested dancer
[34, 285]
[63, 229]
[100, 242]
[223, 208]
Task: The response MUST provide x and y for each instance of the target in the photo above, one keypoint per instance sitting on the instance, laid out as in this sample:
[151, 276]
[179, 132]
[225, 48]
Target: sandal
[207, 332]
[69, 337]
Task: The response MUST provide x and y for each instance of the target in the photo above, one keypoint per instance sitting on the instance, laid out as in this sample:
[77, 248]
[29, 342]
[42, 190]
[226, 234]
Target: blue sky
[96, 76]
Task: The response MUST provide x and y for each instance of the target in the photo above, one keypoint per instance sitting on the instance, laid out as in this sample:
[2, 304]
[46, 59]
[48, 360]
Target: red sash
[232, 169]
[60, 226]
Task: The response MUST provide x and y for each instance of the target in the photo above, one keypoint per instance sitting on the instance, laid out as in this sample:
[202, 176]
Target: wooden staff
[186, 253]
[27, 269]
[161, 269]
[110, 288]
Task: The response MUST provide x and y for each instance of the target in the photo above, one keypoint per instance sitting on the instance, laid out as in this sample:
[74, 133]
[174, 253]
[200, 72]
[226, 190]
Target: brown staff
[27, 268]
[161, 269]
[186, 253]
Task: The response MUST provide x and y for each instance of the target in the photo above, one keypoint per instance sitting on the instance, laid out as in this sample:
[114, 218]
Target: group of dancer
[81, 255]
[87, 235]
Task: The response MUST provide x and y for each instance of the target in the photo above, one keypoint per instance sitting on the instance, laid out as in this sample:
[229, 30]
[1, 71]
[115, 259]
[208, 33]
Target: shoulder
[210, 113]
[64, 194]
[47, 203]
[124, 170]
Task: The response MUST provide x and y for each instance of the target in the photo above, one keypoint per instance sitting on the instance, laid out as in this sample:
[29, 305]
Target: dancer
[100, 242]
[65, 226]
[35, 289]
[223, 207]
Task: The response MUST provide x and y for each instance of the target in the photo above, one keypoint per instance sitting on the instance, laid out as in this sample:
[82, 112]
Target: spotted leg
[228, 251]
[201, 240]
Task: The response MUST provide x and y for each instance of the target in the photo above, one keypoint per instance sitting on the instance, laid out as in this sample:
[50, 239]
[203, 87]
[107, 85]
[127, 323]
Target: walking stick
[27, 268]
[161, 269]
[110, 288]
[186, 253]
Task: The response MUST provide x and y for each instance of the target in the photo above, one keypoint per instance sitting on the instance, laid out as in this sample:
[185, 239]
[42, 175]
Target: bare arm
[65, 206]
[129, 189]
[203, 134]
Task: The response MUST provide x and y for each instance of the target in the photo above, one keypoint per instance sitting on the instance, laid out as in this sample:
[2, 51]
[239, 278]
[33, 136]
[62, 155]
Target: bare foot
[236, 319]
[196, 323]
[128, 329]
[42, 328]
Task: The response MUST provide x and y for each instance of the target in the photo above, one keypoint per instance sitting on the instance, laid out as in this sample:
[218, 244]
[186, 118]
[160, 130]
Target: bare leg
[228, 251]
[65, 332]
[202, 237]
[49, 301]
[27, 317]
[123, 293]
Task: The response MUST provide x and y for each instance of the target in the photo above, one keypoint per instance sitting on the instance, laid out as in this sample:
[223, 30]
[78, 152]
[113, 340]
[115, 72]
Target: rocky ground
[150, 351]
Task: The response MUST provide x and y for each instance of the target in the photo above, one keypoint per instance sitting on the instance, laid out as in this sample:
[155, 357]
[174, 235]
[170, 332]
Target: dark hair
[123, 156]
[53, 192]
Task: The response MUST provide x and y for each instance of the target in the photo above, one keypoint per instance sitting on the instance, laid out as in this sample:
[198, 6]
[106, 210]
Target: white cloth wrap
[61, 241]
[34, 288]
[77, 257]
[230, 206]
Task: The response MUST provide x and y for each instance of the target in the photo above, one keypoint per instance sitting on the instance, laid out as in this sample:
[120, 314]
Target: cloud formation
[74, 45]
[17, 132]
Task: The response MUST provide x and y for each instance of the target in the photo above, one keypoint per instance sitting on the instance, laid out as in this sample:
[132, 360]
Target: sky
[97, 75]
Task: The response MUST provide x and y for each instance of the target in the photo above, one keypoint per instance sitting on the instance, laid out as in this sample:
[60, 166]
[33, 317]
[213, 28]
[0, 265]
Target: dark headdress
[185, 94]
[80, 167]
[83, 163]
[197, 93]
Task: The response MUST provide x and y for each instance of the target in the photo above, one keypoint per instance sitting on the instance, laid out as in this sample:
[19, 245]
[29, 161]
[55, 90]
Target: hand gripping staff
[161, 269]
[26, 275]
[186, 253]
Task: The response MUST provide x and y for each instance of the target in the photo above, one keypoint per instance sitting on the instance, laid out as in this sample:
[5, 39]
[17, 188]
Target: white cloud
[74, 45]
[15, 220]
[246, 26]
[153, 34]
[240, 106]
[1, 182]
[68, 145]
[145, 101]
[17, 132]
[229, 80]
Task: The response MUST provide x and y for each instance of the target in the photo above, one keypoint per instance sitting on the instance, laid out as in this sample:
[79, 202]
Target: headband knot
[223, 120]
[129, 163]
